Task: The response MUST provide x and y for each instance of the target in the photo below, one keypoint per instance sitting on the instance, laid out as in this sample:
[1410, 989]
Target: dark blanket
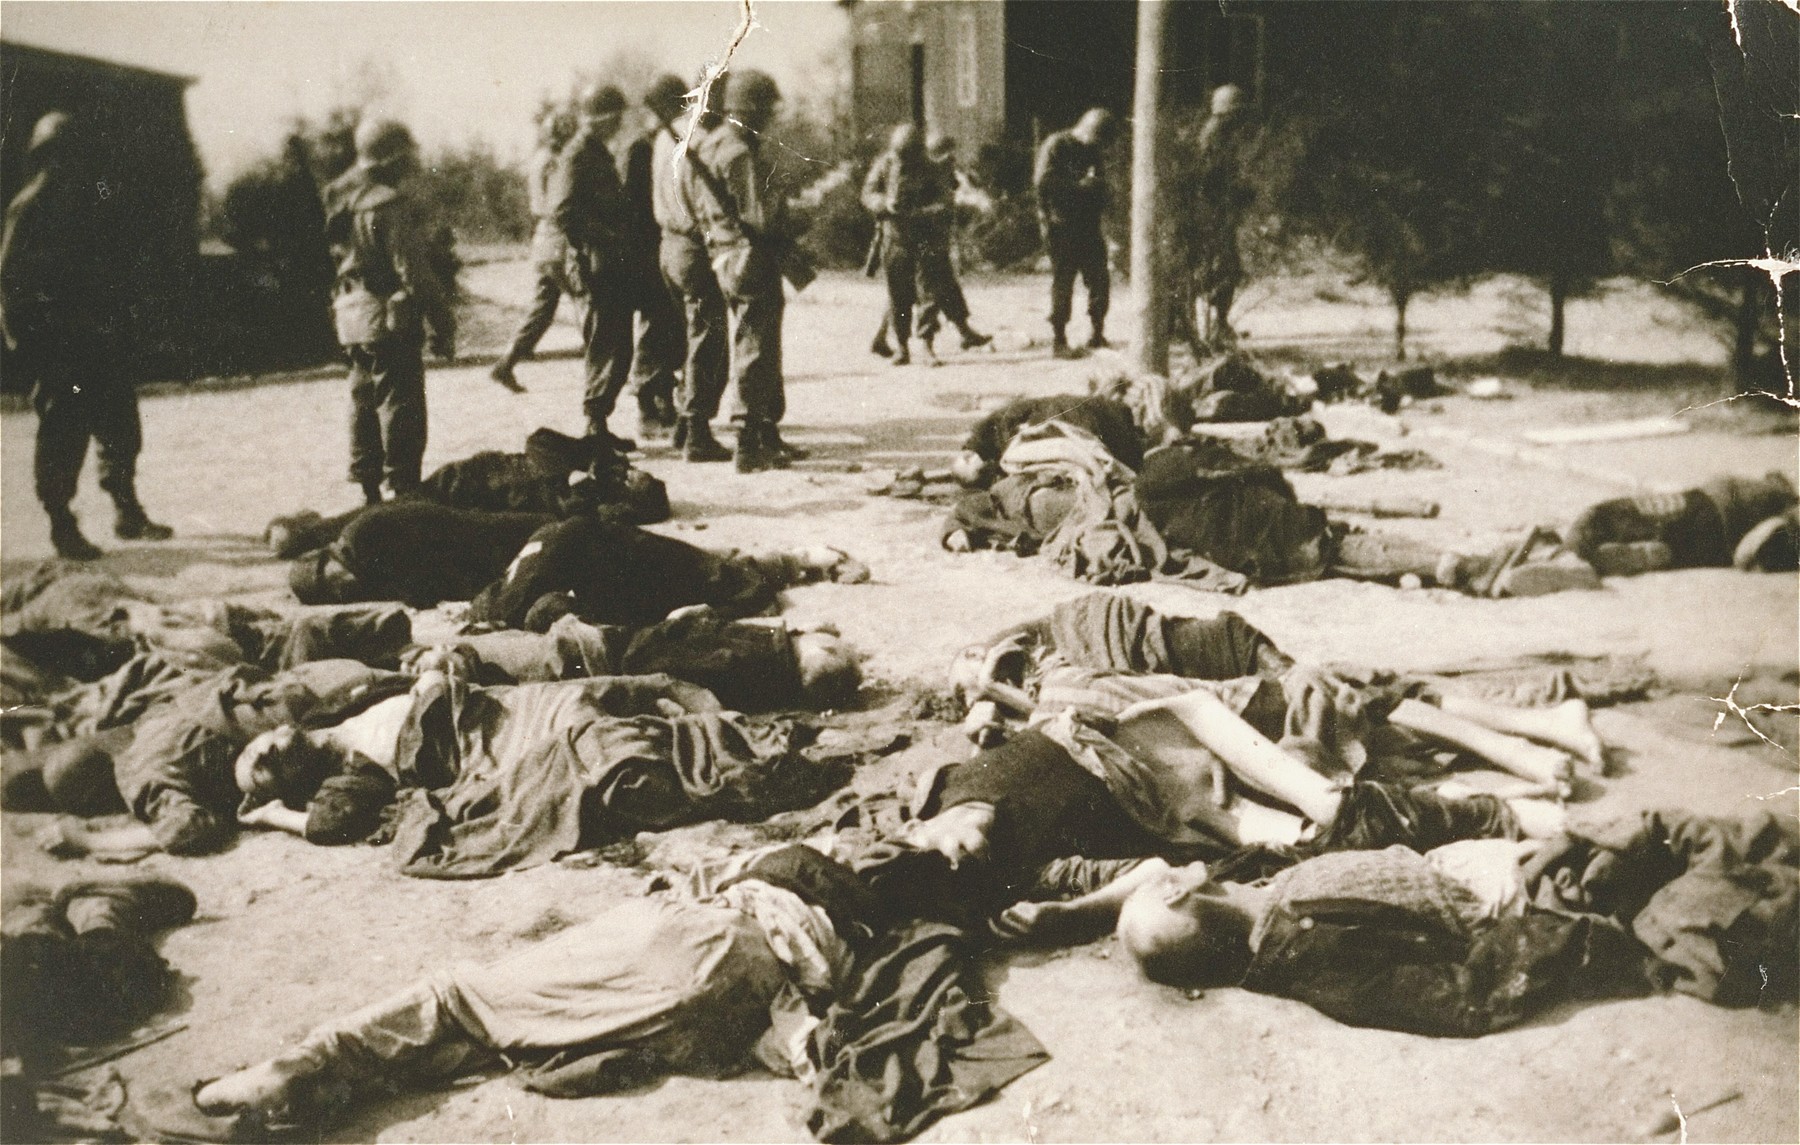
[418, 553]
[1713, 899]
[619, 574]
[1243, 518]
[915, 1038]
[512, 777]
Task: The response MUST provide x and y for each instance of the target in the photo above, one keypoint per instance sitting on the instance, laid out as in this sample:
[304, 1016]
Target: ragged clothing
[1702, 527]
[749, 667]
[1390, 940]
[415, 552]
[517, 776]
[1244, 518]
[1108, 419]
[176, 774]
[1714, 899]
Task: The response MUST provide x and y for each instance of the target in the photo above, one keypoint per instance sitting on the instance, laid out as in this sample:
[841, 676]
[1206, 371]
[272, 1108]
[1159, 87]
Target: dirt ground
[289, 934]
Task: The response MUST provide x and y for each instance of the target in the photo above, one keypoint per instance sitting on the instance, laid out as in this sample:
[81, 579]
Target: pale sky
[454, 71]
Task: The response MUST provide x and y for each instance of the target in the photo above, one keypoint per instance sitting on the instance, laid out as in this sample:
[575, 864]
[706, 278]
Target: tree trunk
[1400, 302]
[1559, 298]
[1743, 351]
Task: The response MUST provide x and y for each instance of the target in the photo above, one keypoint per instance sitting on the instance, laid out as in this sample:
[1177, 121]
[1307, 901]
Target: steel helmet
[380, 141]
[751, 91]
[666, 96]
[602, 99]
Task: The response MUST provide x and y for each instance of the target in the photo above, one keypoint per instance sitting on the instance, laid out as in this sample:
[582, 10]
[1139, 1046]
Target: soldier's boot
[132, 523]
[503, 373]
[698, 443]
[372, 492]
[1059, 344]
[879, 347]
[758, 448]
[788, 452]
[1097, 340]
[65, 534]
[973, 339]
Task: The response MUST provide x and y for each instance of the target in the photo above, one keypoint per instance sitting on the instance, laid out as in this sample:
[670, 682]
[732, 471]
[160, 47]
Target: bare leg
[1521, 757]
[1565, 726]
[1252, 757]
[1093, 913]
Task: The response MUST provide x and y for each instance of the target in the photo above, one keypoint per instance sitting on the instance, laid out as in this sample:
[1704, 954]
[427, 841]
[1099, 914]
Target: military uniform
[548, 251]
[65, 323]
[689, 274]
[1071, 188]
[743, 243]
[588, 202]
[661, 336]
[904, 194]
[387, 291]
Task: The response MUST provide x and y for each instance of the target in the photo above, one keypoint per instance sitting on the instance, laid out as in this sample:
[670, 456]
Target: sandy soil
[289, 934]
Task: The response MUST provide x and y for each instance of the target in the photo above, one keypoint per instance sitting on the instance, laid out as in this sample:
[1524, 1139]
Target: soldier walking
[1070, 180]
[588, 202]
[65, 321]
[689, 274]
[921, 235]
[548, 248]
[387, 292]
[734, 191]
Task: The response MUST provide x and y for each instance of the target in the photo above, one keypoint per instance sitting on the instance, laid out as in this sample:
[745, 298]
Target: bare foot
[1577, 734]
[259, 1086]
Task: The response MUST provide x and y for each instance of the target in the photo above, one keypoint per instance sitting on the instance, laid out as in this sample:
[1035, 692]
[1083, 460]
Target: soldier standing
[588, 202]
[682, 254]
[938, 285]
[661, 337]
[387, 292]
[64, 320]
[733, 190]
[1070, 180]
[898, 194]
[548, 248]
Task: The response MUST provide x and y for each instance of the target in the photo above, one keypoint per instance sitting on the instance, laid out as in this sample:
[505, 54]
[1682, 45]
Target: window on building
[968, 61]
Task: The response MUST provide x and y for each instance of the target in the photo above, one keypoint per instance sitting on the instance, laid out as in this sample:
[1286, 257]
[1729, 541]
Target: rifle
[796, 265]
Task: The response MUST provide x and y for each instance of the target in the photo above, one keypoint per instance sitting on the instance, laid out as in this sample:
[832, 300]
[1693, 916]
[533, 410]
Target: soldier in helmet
[64, 321]
[588, 201]
[387, 291]
[734, 189]
[689, 274]
[1070, 180]
[547, 247]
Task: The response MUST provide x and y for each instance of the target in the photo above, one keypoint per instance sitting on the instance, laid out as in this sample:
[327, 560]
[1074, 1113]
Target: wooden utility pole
[1149, 280]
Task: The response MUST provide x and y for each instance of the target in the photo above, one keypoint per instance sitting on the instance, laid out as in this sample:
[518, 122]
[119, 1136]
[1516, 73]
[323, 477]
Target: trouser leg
[543, 312]
[756, 353]
[661, 344]
[941, 291]
[1094, 277]
[118, 434]
[708, 343]
[62, 441]
[367, 457]
[606, 334]
[901, 269]
[1062, 278]
[408, 1039]
[400, 393]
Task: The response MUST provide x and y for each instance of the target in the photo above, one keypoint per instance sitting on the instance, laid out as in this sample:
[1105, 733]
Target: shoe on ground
[1065, 351]
[134, 525]
[758, 449]
[503, 373]
[975, 340]
[699, 445]
[880, 348]
[788, 452]
[903, 357]
[1097, 341]
[65, 534]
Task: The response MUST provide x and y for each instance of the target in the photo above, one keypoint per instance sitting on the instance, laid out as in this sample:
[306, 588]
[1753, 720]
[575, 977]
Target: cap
[383, 140]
